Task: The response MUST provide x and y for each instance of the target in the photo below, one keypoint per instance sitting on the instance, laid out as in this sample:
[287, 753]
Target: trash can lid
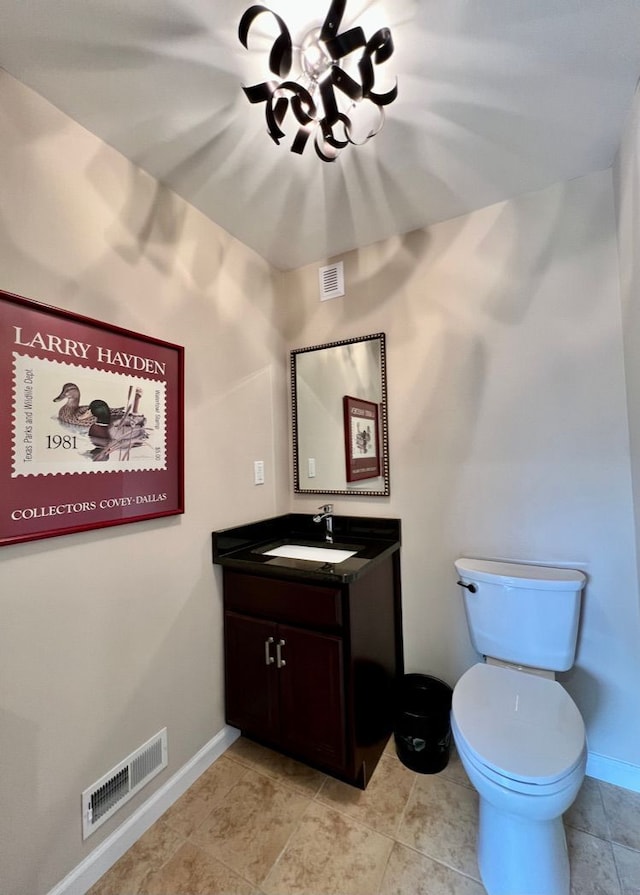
[425, 696]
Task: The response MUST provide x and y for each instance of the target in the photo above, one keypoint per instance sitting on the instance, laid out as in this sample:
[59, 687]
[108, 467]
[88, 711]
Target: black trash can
[422, 727]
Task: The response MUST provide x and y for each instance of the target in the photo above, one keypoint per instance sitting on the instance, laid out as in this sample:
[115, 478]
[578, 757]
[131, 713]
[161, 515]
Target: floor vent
[113, 790]
[332, 281]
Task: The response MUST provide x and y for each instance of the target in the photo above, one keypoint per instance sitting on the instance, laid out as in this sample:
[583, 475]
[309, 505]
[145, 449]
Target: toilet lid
[520, 725]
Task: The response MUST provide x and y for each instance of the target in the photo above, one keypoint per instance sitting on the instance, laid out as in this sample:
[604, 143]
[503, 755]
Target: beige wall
[508, 425]
[108, 636]
[509, 438]
[627, 186]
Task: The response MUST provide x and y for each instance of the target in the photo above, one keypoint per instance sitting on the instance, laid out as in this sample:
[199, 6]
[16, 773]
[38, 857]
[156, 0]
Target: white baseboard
[105, 855]
[611, 770]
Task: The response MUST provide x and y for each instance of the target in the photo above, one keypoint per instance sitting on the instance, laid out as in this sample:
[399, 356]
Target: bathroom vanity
[313, 647]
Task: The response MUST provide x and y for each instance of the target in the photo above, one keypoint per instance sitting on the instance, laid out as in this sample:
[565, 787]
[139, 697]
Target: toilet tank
[525, 614]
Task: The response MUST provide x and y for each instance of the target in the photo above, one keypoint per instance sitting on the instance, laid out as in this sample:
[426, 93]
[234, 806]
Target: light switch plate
[258, 472]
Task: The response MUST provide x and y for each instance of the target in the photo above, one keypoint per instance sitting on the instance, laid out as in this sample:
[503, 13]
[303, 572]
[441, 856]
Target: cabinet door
[251, 676]
[312, 719]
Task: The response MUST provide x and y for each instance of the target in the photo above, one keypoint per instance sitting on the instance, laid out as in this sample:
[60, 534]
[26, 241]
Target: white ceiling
[496, 98]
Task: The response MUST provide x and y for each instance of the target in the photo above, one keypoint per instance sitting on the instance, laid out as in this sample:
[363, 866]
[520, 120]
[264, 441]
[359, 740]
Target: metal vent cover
[101, 800]
[331, 281]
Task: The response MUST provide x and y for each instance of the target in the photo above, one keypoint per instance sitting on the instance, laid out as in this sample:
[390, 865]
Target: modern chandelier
[324, 99]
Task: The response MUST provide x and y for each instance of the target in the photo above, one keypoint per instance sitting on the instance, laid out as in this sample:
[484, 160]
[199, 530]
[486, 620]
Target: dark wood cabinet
[251, 685]
[284, 684]
[311, 697]
[310, 669]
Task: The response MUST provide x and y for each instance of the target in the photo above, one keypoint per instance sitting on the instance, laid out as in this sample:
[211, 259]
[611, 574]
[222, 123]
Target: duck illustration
[108, 435]
[72, 413]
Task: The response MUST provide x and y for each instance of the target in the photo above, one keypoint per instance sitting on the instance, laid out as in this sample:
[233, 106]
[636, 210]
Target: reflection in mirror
[339, 407]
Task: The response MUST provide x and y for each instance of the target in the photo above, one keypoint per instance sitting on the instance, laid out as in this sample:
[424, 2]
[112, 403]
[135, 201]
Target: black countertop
[243, 547]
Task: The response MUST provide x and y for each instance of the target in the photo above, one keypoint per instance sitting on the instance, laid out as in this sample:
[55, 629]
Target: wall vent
[332, 281]
[102, 800]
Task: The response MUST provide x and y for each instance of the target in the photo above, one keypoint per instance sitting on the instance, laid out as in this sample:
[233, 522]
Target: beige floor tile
[587, 812]
[150, 852]
[622, 808]
[249, 828]
[628, 864]
[441, 821]
[259, 824]
[210, 788]
[217, 780]
[329, 853]
[455, 771]
[593, 869]
[191, 871]
[381, 804]
[410, 873]
[291, 772]
[186, 814]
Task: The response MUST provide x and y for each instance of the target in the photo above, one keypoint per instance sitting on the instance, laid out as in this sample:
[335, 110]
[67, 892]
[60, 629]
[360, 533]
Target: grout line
[614, 846]
[355, 820]
[318, 792]
[406, 805]
[618, 874]
[386, 865]
[280, 778]
[604, 809]
[285, 846]
[607, 815]
[288, 784]
[621, 890]
[443, 863]
[224, 863]
[237, 759]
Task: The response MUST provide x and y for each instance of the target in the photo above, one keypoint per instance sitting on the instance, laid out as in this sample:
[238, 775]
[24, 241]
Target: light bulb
[315, 59]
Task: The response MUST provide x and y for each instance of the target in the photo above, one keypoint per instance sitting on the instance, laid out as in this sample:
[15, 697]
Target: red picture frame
[93, 429]
[361, 439]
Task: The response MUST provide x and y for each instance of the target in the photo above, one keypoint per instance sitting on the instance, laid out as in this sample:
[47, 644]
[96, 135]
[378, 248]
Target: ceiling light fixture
[331, 96]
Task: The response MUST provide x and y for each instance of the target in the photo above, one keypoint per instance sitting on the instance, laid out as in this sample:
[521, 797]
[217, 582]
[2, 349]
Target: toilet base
[517, 856]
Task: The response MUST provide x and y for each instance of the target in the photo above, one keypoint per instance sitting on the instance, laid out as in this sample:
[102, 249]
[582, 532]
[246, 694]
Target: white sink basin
[300, 551]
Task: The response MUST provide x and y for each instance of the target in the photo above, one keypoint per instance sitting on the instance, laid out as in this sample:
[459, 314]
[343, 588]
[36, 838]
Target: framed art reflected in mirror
[361, 439]
[340, 417]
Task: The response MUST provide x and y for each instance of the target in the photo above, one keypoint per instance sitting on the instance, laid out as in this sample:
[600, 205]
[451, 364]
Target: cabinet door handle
[280, 662]
[268, 658]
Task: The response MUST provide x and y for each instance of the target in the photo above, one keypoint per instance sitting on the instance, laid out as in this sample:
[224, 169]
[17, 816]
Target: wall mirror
[339, 408]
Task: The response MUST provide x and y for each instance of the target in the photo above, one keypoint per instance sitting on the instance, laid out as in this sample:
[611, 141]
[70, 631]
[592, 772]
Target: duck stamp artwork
[121, 426]
[94, 437]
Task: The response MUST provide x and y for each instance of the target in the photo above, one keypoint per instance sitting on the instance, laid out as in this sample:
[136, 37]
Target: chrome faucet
[326, 513]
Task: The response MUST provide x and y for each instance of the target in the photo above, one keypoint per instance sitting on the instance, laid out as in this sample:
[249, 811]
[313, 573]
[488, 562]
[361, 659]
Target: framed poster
[92, 432]
[361, 439]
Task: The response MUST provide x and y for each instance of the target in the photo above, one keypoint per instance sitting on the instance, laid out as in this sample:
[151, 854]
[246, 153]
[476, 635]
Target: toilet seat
[518, 727]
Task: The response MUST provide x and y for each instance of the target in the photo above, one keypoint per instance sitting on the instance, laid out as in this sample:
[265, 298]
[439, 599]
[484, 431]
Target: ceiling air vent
[113, 790]
[331, 281]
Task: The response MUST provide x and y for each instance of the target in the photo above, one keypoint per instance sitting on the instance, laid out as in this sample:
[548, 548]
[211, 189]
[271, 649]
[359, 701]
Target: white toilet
[519, 734]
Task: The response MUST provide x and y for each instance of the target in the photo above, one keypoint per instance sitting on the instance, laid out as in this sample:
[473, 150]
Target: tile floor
[256, 823]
